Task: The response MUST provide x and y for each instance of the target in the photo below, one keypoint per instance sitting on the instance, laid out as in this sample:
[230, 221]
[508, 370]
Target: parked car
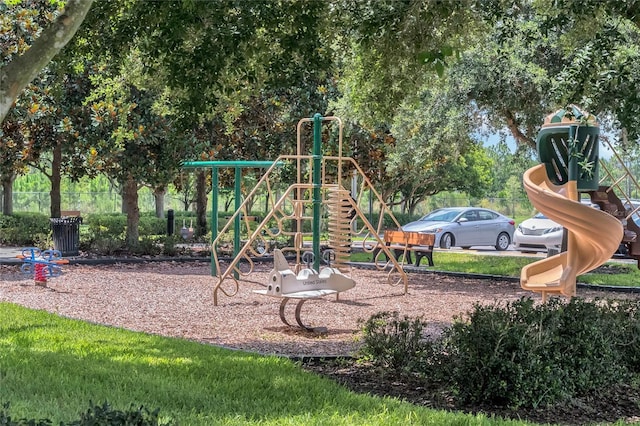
[633, 205]
[541, 233]
[465, 227]
[537, 233]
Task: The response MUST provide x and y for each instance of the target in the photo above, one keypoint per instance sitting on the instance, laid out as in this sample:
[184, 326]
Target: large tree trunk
[249, 204]
[56, 178]
[158, 195]
[187, 191]
[130, 199]
[7, 194]
[22, 69]
[201, 204]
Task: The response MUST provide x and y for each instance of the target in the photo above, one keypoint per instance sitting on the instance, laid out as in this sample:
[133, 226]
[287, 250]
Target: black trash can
[66, 235]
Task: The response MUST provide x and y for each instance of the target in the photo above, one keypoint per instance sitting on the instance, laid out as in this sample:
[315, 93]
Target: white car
[537, 233]
[541, 233]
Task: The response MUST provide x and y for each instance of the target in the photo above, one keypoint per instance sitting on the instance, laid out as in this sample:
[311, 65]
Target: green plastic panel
[553, 150]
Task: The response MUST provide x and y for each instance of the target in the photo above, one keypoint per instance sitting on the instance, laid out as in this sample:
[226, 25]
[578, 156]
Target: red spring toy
[40, 275]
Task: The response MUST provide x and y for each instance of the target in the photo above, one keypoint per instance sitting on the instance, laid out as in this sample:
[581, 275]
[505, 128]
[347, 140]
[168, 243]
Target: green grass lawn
[53, 367]
[626, 274]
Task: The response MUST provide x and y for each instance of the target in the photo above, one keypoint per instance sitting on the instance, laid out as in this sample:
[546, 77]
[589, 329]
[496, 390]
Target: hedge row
[105, 233]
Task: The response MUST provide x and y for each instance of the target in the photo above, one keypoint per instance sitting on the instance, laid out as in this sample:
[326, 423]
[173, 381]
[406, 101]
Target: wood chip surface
[176, 299]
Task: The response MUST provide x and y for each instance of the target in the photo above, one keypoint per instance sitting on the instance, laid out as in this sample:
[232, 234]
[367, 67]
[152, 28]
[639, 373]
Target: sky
[604, 150]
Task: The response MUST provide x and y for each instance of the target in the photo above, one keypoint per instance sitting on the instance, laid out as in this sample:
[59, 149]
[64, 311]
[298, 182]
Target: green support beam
[317, 184]
[215, 165]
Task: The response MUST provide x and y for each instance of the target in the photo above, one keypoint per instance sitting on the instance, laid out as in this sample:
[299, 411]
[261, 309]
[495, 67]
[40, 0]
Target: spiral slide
[593, 237]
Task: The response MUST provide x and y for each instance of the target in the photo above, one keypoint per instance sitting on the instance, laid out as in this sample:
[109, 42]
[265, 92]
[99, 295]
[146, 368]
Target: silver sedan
[465, 227]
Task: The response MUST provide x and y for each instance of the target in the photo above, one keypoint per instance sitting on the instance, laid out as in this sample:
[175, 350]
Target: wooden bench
[69, 213]
[403, 243]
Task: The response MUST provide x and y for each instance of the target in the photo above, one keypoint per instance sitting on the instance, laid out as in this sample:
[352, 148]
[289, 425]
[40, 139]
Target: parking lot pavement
[10, 253]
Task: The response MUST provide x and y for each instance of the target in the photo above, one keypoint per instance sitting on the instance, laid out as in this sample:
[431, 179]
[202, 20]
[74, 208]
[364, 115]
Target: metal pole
[354, 184]
[170, 222]
[236, 222]
[215, 165]
[572, 194]
[214, 217]
[370, 206]
[354, 195]
[317, 201]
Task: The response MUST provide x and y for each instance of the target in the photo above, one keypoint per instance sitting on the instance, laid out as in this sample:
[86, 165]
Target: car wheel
[503, 241]
[446, 241]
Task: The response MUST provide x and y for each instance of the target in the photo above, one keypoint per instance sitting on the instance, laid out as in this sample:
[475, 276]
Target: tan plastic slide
[593, 237]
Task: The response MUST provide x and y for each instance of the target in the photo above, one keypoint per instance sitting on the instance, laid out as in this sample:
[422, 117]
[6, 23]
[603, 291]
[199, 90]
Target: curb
[134, 260]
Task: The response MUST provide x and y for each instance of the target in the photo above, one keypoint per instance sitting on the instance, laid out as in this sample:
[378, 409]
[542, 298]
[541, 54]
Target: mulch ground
[603, 407]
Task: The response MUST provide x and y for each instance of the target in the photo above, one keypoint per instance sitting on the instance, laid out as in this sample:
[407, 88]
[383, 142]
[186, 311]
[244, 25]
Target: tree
[132, 143]
[22, 123]
[392, 47]
[433, 149]
[209, 60]
[517, 60]
[507, 80]
[508, 169]
[20, 69]
[540, 58]
[50, 145]
[214, 56]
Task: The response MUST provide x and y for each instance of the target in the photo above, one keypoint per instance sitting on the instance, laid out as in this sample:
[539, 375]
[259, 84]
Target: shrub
[624, 327]
[518, 354]
[151, 225]
[24, 229]
[393, 343]
[107, 246]
[147, 246]
[106, 226]
[502, 355]
[169, 247]
[103, 415]
[7, 420]
[524, 354]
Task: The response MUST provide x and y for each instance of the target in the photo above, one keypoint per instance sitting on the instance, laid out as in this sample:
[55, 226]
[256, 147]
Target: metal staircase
[612, 198]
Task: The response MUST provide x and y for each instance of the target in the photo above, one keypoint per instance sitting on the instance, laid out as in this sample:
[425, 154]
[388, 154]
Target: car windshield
[540, 216]
[441, 216]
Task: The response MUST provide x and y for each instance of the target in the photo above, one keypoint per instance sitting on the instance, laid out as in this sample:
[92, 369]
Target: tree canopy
[31, 42]
[145, 84]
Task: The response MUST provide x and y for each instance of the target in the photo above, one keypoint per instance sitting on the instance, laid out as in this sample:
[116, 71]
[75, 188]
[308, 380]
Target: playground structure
[568, 147]
[318, 203]
[41, 264]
